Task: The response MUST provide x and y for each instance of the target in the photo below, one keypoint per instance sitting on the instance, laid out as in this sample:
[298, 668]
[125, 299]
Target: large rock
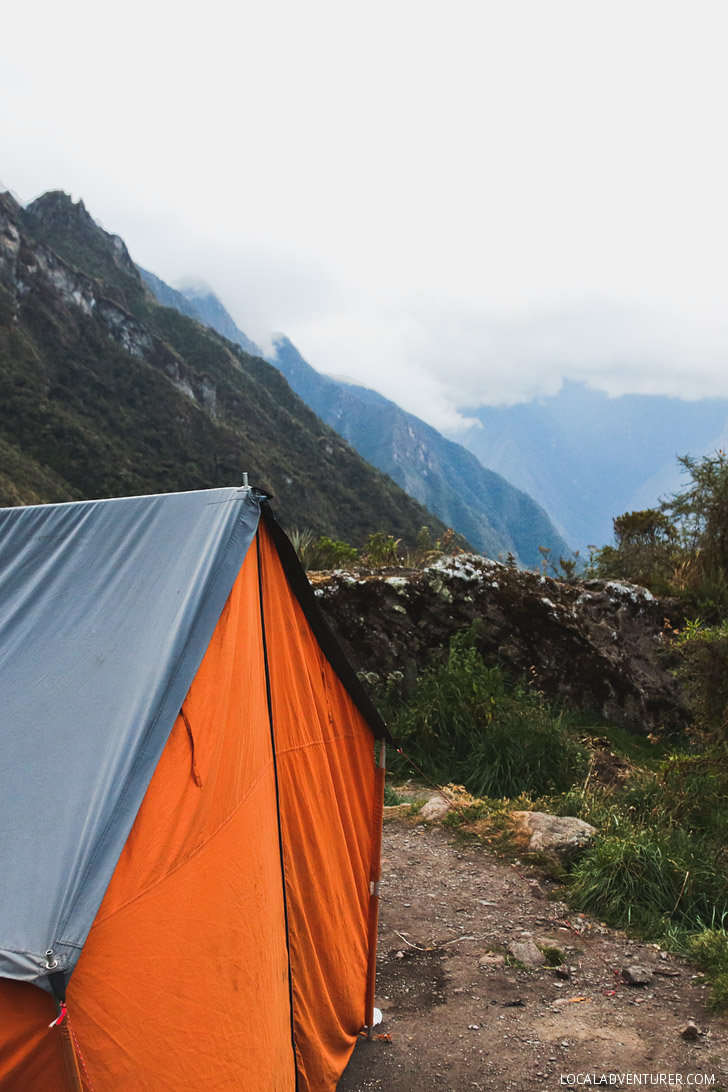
[559, 836]
[435, 808]
[601, 645]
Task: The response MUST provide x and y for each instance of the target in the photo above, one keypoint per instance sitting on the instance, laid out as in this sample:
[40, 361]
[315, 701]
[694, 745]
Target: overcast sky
[454, 203]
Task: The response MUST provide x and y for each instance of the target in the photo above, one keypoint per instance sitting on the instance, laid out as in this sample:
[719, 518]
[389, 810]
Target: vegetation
[380, 550]
[659, 864]
[681, 547]
[137, 398]
[467, 722]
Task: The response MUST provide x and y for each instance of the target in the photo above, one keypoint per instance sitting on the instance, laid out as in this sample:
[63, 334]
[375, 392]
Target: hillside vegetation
[103, 392]
[591, 698]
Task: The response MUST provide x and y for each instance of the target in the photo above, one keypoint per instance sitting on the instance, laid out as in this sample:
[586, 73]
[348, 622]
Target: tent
[190, 818]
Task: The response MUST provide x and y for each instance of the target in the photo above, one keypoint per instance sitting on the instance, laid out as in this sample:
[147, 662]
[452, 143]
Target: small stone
[691, 1032]
[491, 959]
[562, 972]
[526, 952]
[636, 975]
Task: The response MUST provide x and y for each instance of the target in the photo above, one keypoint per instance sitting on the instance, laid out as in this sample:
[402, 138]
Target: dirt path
[456, 1026]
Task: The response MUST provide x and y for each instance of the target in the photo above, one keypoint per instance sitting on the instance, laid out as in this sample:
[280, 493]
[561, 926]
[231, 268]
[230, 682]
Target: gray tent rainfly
[86, 720]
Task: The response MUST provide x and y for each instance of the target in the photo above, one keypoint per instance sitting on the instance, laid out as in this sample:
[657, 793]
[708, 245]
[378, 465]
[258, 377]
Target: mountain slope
[105, 392]
[442, 475]
[588, 457]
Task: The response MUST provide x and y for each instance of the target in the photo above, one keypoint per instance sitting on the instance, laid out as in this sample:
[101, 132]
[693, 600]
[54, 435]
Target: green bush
[703, 672]
[709, 949]
[651, 880]
[465, 722]
[681, 547]
[380, 550]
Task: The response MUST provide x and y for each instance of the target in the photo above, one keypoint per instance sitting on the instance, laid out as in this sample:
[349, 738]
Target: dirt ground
[456, 1025]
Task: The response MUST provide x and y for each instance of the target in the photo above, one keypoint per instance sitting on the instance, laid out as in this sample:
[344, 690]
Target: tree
[681, 547]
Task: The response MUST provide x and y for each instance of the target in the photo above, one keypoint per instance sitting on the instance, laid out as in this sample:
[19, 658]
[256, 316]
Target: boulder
[597, 645]
[562, 837]
[435, 808]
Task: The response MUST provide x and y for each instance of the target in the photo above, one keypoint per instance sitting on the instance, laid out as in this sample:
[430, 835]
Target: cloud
[439, 361]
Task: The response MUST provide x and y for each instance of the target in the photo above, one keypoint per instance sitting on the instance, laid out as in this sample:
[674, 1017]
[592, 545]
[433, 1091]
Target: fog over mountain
[587, 457]
[441, 474]
[583, 455]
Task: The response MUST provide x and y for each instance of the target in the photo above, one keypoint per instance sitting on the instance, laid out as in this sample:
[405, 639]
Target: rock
[435, 808]
[691, 1031]
[526, 952]
[562, 972]
[636, 975]
[593, 644]
[562, 837]
[491, 959]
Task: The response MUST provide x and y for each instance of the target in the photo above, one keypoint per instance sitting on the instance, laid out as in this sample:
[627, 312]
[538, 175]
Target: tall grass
[465, 722]
[659, 863]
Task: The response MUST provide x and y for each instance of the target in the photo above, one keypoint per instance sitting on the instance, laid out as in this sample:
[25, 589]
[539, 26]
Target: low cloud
[440, 363]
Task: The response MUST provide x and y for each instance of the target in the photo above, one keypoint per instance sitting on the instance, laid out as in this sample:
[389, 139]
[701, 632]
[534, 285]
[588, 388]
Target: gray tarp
[106, 610]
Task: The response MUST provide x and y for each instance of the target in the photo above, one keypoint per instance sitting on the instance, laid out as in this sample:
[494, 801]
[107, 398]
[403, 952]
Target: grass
[466, 722]
[392, 797]
[709, 949]
[658, 865]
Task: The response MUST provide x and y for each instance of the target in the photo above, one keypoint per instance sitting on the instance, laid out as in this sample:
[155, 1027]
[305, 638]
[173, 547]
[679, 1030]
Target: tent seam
[195, 852]
[316, 743]
[284, 884]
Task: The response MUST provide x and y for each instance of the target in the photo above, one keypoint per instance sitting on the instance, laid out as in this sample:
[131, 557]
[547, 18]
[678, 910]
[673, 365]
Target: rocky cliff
[602, 646]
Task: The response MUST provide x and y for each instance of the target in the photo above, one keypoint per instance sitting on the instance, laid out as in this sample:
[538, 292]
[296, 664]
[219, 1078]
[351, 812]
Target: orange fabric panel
[325, 755]
[31, 1055]
[183, 981]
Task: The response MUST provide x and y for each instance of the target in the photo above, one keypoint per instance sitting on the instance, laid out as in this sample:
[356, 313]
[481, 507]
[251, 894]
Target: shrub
[381, 549]
[703, 672]
[466, 722]
[709, 949]
[650, 880]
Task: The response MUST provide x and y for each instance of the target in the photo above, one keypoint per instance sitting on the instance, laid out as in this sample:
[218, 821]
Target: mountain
[587, 457]
[442, 475]
[482, 505]
[104, 392]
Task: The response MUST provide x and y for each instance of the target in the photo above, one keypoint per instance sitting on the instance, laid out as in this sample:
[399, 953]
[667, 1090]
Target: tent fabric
[325, 761]
[107, 608]
[230, 949]
[319, 627]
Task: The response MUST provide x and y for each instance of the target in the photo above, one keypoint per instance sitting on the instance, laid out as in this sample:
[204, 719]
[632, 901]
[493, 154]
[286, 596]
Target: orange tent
[234, 946]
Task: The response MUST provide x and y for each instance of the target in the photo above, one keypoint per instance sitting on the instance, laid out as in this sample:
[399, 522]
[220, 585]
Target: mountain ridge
[588, 457]
[441, 474]
[104, 392]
